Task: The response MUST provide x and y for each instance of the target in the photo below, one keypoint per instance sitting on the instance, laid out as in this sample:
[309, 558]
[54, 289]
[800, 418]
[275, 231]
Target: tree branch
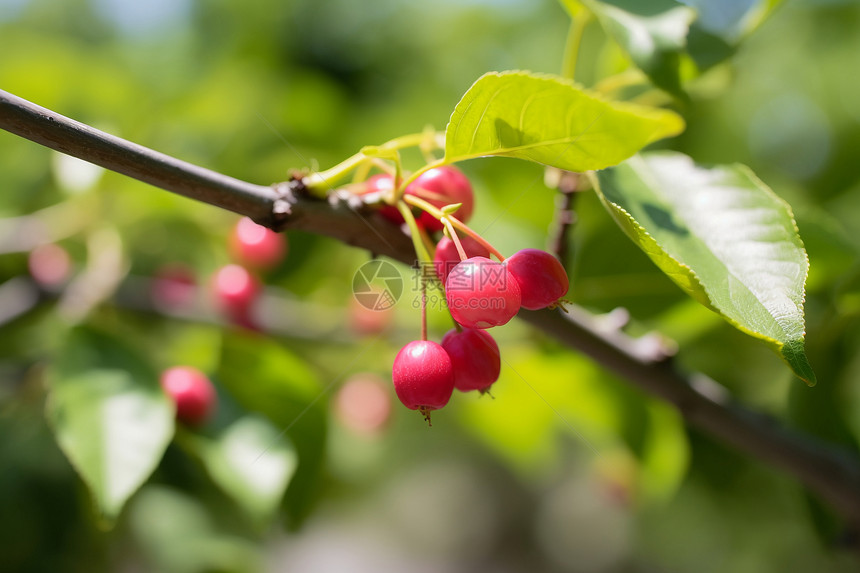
[67, 136]
[831, 473]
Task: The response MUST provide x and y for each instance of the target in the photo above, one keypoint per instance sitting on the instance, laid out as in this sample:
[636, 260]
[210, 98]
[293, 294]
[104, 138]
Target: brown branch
[65, 135]
[831, 473]
[567, 184]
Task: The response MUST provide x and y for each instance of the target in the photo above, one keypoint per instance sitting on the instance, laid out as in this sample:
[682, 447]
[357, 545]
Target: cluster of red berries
[236, 288]
[480, 293]
[255, 249]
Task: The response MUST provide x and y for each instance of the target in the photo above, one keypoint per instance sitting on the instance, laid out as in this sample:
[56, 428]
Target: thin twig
[565, 215]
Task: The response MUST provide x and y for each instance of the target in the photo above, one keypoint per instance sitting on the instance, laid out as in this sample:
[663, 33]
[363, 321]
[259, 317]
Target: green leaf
[654, 42]
[723, 236]
[660, 36]
[267, 378]
[253, 462]
[177, 534]
[552, 121]
[731, 19]
[109, 415]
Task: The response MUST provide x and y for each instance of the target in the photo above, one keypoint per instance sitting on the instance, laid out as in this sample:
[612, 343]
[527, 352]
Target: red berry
[50, 265]
[236, 290]
[541, 277]
[173, 287]
[482, 293]
[447, 256]
[475, 358]
[363, 404]
[366, 321]
[256, 246]
[442, 186]
[192, 392]
[383, 183]
[423, 376]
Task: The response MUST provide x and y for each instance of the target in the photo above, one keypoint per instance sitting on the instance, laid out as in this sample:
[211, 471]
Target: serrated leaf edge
[671, 131]
[806, 374]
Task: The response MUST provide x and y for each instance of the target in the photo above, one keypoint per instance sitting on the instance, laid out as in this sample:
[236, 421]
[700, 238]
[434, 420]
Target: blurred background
[565, 468]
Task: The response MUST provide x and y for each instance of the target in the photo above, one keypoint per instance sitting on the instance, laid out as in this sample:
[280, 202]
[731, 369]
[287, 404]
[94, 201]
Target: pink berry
[363, 404]
[541, 277]
[423, 376]
[383, 183]
[256, 246]
[368, 321]
[482, 293]
[442, 186]
[236, 290]
[447, 256]
[192, 392]
[475, 358]
[50, 265]
[173, 287]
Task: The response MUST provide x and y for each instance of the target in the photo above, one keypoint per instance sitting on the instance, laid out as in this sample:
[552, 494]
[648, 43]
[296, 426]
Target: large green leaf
[731, 19]
[265, 377]
[723, 236]
[660, 35]
[253, 462]
[551, 121]
[110, 417]
[655, 42]
[177, 534]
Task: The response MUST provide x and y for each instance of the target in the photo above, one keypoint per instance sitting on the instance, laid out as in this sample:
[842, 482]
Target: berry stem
[423, 309]
[428, 242]
[320, 182]
[432, 140]
[456, 240]
[415, 233]
[439, 214]
[574, 41]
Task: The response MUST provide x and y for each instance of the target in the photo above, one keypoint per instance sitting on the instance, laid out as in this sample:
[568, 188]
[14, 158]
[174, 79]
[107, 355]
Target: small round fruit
[173, 287]
[236, 290]
[541, 276]
[365, 321]
[447, 256]
[49, 265]
[383, 183]
[423, 376]
[192, 392]
[256, 246]
[363, 404]
[475, 358]
[482, 293]
[442, 186]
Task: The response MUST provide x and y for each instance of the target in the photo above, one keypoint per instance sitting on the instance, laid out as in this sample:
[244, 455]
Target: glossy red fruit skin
[423, 376]
[482, 293]
[447, 256]
[475, 358]
[442, 186]
[192, 392]
[236, 291]
[541, 276]
[383, 183]
[256, 246]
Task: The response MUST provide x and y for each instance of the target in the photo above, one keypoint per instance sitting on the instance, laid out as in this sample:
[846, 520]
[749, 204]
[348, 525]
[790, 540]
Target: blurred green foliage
[568, 468]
